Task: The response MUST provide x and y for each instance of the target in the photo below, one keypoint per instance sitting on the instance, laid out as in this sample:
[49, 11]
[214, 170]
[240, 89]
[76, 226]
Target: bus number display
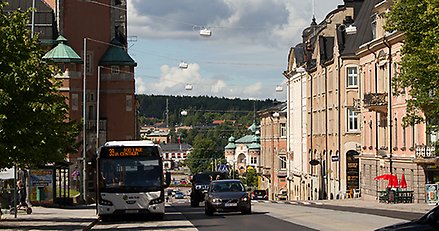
[125, 152]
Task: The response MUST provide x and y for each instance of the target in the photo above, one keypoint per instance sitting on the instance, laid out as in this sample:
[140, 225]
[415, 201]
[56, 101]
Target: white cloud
[244, 32]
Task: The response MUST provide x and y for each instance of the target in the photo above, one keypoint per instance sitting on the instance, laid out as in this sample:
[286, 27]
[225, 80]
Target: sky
[243, 58]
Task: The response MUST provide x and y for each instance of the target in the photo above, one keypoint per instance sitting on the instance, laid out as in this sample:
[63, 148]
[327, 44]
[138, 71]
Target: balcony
[375, 102]
[425, 154]
[281, 173]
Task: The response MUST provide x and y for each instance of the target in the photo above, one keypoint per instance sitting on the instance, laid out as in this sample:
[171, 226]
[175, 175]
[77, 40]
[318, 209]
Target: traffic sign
[222, 168]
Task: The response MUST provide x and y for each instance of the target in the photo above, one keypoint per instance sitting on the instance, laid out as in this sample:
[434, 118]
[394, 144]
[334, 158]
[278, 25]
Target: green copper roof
[255, 143]
[116, 55]
[254, 146]
[62, 53]
[245, 139]
[230, 146]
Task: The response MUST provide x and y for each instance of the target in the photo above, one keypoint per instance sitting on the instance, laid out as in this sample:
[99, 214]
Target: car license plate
[231, 204]
[132, 211]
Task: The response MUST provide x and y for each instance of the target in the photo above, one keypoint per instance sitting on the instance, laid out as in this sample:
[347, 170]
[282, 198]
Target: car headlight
[197, 187]
[245, 198]
[216, 200]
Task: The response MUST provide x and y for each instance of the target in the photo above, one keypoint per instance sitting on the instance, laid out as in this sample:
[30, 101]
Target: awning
[6, 173]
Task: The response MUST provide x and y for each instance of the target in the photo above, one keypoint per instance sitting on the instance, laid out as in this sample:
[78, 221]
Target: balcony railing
[425, 151]
[375, 102]
[281, 173]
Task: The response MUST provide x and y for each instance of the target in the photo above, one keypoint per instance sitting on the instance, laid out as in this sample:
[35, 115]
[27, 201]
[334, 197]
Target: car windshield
[142, 174]
[227, 186]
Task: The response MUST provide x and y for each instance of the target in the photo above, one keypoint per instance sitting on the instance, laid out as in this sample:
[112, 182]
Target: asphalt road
[266, 216]
[235, 221]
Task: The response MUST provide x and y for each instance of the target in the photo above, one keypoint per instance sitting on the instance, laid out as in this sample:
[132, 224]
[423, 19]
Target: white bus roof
[130, 143]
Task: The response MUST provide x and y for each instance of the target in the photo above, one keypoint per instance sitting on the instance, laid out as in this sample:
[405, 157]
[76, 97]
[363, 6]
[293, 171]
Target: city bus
[130, 179]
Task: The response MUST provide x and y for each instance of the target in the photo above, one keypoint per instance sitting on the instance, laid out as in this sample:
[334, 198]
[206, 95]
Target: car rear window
[260, 192]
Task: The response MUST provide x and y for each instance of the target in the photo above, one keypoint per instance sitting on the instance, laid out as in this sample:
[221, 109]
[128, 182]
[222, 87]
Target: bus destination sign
[124, 152]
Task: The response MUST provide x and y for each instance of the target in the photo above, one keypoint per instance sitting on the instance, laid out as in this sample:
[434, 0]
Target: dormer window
[374, 27]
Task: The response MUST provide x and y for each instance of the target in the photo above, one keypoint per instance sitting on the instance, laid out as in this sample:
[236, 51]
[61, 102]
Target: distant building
[160, 137]
[243, 152]
[174, 154]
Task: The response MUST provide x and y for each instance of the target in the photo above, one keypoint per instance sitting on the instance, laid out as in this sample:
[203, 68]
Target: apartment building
[105, 104]
[387, 146]
[353, 121]
[274, 164]
[323, 78]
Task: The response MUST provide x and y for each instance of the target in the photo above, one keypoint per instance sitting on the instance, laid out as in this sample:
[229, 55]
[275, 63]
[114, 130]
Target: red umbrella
[393, 182]
[403, 183]
[383, 177]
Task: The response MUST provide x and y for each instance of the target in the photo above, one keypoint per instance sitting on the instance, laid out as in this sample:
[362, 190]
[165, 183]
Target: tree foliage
[204, 153]
[250, 177]
[34, 128]
[419, 67]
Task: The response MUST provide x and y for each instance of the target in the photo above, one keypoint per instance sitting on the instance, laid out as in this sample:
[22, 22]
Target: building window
[283, 130]
[75, 102]
[374, 27]
[352, 76]
[254, 160]
[115, 70]
[352, 120]
[283, 162]
[129, 103]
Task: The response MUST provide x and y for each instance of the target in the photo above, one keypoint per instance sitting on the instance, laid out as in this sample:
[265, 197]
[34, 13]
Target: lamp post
[84, 144]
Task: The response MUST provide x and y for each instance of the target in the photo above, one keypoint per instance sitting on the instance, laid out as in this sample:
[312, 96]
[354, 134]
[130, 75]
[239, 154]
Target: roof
[230, 146]
[175, 147]
[245, 139]
[116, 55]
[364, 29]
[130, 143]
[62, 53]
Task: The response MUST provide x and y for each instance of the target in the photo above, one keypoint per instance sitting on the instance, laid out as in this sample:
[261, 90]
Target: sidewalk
[72, 218]
[374, 204]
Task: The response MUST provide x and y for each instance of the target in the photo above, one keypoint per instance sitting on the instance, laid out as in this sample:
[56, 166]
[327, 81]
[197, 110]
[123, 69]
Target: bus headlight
[105, 202]
[156, 201]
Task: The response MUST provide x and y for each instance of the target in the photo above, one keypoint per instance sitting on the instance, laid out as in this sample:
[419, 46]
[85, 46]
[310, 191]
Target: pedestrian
[21, 194]
[75, 178]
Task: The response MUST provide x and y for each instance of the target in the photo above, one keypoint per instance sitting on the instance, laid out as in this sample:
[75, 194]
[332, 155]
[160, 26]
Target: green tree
[250, 178]
[419, 67]
[34, 127]
[203, 153]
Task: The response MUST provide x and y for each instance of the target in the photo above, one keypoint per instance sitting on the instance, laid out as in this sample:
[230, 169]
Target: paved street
[293, 215]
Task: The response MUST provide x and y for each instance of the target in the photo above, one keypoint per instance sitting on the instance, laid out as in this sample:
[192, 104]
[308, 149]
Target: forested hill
[154, 106]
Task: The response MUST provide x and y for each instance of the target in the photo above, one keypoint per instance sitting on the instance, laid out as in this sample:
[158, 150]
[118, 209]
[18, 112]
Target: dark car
[430, 221]
[227, 196]
[200, 184]
[260, 195]
[179, 195]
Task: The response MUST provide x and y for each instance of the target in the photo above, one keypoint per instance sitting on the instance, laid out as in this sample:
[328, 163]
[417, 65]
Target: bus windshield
[139, 174]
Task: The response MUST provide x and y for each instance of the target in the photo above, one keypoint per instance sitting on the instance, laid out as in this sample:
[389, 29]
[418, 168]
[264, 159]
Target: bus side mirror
[167, 179]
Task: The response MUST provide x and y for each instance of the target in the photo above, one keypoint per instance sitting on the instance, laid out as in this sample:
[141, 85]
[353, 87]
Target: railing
[375, 101]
